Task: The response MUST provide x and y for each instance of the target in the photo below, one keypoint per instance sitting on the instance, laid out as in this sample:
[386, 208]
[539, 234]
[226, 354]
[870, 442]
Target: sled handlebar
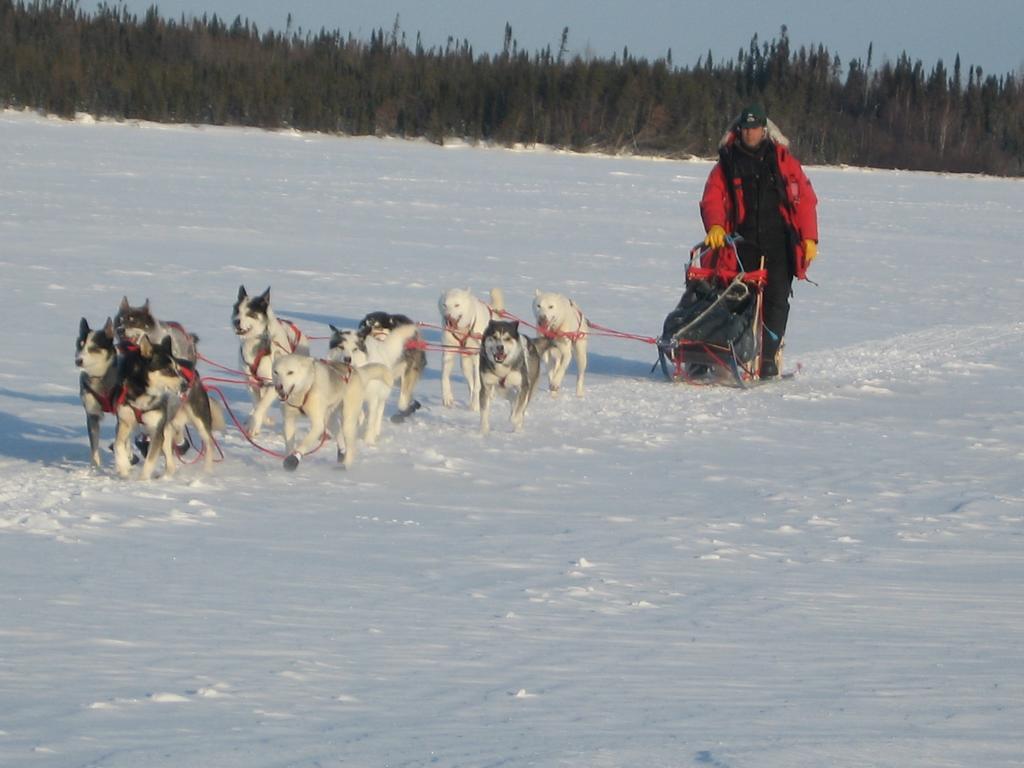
[701, 249]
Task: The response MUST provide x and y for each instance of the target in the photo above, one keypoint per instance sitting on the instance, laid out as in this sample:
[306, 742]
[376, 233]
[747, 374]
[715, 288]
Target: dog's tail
[497, 300]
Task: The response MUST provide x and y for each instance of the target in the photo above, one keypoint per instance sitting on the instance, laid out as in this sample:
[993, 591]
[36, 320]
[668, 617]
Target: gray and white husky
[464, 318]
[509, 362]
[262, 337]
[563, 323]
[345, 346]
[96, 357]
[331, 395]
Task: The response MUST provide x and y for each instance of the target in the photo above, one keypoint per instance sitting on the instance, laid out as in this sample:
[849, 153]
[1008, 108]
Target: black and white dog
[394, 340]
[263, 337]
[96, 357]
[162, 394]
[510, 362]
[132, 323]
[345, 346]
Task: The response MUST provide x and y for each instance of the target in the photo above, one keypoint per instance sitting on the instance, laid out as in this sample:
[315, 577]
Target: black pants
[776, 292]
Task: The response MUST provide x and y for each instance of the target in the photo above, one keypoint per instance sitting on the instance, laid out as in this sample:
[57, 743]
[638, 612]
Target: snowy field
[826, 571]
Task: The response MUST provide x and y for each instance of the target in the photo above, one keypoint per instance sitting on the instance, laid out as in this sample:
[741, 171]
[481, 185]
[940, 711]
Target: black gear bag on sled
[714, 333]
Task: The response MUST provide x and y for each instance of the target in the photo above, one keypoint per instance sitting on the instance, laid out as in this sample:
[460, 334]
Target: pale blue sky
[987, 33]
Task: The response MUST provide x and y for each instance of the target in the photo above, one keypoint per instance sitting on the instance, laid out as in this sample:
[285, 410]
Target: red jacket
[800, 210]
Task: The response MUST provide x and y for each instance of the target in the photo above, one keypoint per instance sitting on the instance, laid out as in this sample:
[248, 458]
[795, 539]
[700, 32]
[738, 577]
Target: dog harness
[107, 401]
[293, 337]
[576, 335]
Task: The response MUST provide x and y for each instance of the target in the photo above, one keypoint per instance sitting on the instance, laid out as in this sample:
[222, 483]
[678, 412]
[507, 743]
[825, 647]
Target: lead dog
[331, 394]
[96, 356]
[262, 337]
[394, 341]
[565, 325]
[465, 318]
[510, 362]
[162, 394]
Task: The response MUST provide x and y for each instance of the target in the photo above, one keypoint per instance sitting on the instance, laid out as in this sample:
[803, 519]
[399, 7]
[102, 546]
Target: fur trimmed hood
[771, 131]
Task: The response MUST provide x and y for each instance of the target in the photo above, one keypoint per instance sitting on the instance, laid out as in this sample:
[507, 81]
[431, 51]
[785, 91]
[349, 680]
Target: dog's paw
[405, 413]
[291, 461]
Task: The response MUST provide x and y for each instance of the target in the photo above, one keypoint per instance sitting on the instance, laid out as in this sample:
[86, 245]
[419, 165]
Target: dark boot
[771, 356]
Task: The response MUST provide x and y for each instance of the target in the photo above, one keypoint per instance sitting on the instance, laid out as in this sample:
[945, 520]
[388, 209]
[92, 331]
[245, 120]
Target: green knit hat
[752, 116]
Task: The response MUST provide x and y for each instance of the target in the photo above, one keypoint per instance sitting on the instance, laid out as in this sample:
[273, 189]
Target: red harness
[293, 337]
[462, 338]
[106, 401]
[254, 368]
[576, 335]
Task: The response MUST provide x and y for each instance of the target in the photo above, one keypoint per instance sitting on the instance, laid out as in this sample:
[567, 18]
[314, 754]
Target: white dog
[561, 321]
[331, 395]
[394, 340]
[465, 318]
[263, 337]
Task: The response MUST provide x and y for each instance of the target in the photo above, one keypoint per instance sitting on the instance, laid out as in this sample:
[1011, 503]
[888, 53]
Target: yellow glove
[716, 236]
[810, 251]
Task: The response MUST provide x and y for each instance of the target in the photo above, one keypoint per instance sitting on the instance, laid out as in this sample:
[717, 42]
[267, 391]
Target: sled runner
[714, 333]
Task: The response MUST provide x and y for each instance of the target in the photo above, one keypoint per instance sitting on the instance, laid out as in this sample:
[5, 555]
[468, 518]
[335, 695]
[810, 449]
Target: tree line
[58, 58]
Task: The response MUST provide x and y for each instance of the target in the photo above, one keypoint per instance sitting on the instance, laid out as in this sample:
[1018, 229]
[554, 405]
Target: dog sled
[713, 335]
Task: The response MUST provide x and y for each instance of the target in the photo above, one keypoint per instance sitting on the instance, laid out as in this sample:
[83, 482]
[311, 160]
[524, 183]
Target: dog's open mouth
[499, 355]
[282, 394]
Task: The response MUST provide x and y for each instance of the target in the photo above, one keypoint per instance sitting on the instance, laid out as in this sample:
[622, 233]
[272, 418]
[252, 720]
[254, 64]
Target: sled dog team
[143, 371]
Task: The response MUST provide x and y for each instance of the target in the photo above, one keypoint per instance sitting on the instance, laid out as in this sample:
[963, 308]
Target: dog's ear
[265, 296]
[83, 328]
[536, 293]
[167, 347]
[515, 326]
[333, 329]
[241, 292]
[108, 328]
[145, 307]
[123, 306]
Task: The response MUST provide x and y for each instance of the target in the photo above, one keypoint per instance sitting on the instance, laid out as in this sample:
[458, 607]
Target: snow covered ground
[822, 572]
